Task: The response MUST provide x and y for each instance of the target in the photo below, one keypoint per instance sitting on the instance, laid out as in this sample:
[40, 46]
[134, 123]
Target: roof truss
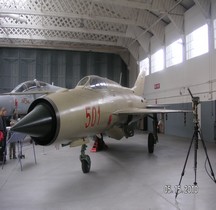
[114, 24]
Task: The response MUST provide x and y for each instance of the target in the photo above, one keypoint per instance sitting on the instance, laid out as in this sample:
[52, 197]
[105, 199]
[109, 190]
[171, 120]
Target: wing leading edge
[140, 111]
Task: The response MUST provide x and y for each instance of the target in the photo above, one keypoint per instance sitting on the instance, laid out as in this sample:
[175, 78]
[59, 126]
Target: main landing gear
[153, 137]
[85, 160]
[151, 143]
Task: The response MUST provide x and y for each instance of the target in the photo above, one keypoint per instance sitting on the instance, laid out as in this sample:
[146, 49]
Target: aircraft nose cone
[38, 123]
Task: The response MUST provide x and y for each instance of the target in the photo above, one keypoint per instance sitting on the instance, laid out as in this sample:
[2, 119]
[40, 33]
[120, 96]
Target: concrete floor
[124, 177]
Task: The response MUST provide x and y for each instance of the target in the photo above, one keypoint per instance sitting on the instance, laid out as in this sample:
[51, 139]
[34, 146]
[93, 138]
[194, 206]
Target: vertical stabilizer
[139, 84]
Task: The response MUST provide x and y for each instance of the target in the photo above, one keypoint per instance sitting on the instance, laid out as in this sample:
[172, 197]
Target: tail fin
[138, 87]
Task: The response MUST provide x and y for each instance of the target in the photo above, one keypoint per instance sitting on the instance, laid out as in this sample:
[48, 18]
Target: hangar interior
[71, 39]
[174, 41]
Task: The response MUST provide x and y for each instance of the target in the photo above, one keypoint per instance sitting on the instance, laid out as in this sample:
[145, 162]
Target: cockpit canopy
[96, 82]
[29, 85]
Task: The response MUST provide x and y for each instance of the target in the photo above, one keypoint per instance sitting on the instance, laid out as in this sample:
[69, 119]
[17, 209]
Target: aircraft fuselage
[83, 112]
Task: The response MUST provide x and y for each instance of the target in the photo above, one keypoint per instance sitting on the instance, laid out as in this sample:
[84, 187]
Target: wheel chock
[95, 146]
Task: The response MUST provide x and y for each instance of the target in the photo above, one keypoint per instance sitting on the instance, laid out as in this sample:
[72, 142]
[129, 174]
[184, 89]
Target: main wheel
[86, 164]
[151, 142]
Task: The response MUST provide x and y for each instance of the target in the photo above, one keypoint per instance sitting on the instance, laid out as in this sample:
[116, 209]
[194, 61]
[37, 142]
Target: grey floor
[124, 177]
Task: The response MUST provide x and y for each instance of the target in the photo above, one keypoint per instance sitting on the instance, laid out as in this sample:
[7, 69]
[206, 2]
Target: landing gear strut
[85, 160]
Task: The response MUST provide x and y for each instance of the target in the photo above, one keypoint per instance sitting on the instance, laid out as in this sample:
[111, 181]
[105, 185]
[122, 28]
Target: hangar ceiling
[115, 26]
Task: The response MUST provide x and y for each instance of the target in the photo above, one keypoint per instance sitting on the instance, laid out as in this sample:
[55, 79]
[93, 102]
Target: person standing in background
[3, 134]
[12, 147]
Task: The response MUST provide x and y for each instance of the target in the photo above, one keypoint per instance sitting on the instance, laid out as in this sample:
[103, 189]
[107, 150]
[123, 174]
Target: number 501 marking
[92, 116]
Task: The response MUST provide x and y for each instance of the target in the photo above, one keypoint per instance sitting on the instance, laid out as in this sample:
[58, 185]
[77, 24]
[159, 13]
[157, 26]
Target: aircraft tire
[151, 142]
[86, 165]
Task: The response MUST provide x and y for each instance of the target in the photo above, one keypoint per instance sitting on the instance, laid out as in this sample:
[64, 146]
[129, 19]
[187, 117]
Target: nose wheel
[85, 160]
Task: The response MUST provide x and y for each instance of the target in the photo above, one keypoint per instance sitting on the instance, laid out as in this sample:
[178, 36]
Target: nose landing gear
[85, 160]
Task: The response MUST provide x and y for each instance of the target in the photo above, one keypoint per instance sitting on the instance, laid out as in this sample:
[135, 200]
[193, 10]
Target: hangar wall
[63, 68]
[198, 74]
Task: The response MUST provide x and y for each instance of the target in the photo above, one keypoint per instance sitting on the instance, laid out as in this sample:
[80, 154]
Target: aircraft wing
[140, 111]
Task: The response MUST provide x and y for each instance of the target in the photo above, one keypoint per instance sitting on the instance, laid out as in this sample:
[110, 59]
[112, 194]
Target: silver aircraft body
[24, 94]
[96, 105]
